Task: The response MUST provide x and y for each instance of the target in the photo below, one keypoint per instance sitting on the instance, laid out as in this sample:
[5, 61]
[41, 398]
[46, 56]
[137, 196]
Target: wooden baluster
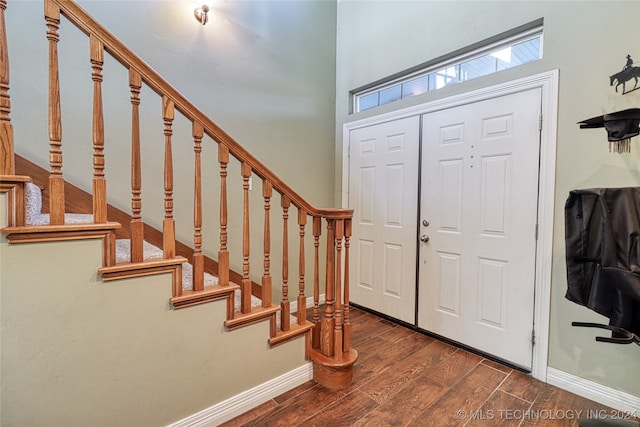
[302, 299]
[223, 253]
[96, 50]
[56, 181]
[285, 306]
[337, 330]
[346, 326]
[326, 330]
[245, 290]
[168, 225]
[198, 257]
[317, 230]
[267, 192]
[137, 226]
[7, 156]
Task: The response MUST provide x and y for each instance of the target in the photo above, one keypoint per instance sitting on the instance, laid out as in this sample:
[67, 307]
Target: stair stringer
[81, 202]
[81, 351]
[24, 201]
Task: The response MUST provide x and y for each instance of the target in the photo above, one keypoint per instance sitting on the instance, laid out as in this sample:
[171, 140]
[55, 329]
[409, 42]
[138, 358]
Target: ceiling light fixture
[201, 14]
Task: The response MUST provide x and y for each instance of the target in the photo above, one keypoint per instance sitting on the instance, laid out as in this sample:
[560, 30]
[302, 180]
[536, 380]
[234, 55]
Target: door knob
[424, 238]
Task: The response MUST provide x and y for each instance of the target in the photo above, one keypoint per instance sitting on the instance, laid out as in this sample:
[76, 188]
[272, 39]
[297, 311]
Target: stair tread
[153, 252]
[34, 213]
[35, 218]
[294, 331]
[43, 219]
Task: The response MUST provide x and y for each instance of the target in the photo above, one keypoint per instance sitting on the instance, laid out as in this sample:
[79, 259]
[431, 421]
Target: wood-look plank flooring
[404, 378]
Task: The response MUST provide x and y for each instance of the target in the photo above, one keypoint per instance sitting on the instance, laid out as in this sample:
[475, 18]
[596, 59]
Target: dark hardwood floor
[404, 378]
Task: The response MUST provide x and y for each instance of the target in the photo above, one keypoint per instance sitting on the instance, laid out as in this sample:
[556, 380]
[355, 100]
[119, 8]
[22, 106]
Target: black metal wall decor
[629, 71]
[621, 126]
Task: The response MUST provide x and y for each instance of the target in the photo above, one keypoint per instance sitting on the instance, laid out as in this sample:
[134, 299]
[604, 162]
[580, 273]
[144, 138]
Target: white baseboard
[294, 304]
[241, 403]
[608, 396]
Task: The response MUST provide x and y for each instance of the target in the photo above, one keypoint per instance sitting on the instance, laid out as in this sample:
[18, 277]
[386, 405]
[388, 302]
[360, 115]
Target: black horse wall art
[622, 77]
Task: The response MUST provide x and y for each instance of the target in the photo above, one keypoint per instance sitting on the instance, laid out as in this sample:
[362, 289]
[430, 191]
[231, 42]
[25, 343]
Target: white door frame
[548, 83]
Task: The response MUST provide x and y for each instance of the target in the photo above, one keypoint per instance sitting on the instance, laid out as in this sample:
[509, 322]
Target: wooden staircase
[327, 333]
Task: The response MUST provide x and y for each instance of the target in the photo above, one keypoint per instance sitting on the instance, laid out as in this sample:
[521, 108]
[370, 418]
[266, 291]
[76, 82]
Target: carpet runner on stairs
[34, 209]
[36, 217]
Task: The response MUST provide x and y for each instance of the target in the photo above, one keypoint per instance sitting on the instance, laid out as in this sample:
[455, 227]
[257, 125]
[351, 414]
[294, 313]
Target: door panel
[479, 196]
[383, 190]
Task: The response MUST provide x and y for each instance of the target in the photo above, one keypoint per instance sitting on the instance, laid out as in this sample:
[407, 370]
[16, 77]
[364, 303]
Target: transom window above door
[517, 47]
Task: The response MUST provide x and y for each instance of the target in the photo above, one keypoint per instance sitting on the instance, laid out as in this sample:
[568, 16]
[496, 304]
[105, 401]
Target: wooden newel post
[7, 157]
[337, 331]
[334, 359]
[346, 345]
[326, 329]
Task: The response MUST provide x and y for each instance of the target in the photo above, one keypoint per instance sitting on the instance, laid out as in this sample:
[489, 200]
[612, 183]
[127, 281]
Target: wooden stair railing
[328, 343]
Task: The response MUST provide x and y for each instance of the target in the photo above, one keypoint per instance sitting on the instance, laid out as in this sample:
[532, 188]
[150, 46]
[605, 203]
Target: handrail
[126, 57]
[328, 342]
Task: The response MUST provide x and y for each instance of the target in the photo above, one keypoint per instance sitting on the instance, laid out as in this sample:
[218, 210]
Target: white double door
[445, 219]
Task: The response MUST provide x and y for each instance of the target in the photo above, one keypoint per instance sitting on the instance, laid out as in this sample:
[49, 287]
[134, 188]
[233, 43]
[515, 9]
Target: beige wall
[79, 351]
[263, 71]
[116, 353]
[587, 41]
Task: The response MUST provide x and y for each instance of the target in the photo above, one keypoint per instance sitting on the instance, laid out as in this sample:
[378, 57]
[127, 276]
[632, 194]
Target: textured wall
[587, 41]
[263, 71]
[79, 351]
